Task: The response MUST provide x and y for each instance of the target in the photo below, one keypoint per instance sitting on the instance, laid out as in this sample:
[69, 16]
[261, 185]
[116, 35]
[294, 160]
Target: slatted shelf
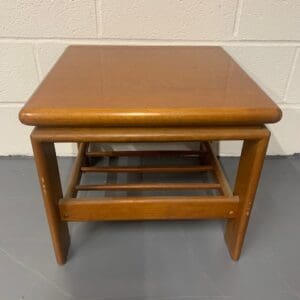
[223, 205]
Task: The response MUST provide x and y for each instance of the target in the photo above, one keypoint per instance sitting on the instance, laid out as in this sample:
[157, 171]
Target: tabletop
[148, 86]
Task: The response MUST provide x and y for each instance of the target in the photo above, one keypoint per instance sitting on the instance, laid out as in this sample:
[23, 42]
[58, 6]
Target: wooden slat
[76, 171]
[148, 169]
[218, 171]
[183, 153]
[147, 186]
[149, 208]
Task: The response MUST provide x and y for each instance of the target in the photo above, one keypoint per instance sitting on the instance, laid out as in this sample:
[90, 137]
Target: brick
[168, 19]
[48, 19]
[270, 20]
[268, 66]
[48, 54]
[15, 137]
[293, 93]
[18, 73]
[285, 134]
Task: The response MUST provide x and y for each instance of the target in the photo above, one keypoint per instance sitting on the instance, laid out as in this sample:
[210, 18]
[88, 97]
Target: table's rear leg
[250, 166]
[46, 163]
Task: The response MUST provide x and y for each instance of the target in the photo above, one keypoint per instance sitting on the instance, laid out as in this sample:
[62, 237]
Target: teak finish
[148, 86]
[148, 94]
[149, 208]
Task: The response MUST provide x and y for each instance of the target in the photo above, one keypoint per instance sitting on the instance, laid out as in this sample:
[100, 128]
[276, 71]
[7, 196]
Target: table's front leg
[250, 166]
[46, 163]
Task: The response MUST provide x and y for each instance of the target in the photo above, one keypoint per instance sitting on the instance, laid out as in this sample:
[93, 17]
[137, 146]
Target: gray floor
[151, 260]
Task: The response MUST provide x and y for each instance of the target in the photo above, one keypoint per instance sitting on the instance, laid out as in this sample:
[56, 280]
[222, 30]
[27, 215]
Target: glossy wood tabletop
[147, 86]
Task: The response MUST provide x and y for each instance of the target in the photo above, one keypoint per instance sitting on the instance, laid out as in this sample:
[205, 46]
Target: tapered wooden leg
[46, 163]
[250, 166]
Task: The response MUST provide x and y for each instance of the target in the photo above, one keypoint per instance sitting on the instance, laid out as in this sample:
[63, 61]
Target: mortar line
[291, 73]
[11, 104]
[116, 41]
[98, 6]
[37, 62]
[237, 18]
[289, 105]
[96, 17]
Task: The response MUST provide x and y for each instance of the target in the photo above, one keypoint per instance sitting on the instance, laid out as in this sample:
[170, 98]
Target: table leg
[46, 163]
[250, 166]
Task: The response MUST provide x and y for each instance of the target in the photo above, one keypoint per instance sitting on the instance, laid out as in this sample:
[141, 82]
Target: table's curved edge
[150, 117]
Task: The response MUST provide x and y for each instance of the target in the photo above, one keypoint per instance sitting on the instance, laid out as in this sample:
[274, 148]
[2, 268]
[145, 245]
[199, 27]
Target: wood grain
[147, 169]
[148, 86]
[140, 134]
[157, 153]
[148, 208]
[249, 170]
[147, 186]
[76, 171]
[46, 163]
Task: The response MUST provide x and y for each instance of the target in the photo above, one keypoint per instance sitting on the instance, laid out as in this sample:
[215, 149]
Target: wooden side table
[148, 94]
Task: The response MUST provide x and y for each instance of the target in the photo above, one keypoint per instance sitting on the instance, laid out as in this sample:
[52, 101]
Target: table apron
[142, 134]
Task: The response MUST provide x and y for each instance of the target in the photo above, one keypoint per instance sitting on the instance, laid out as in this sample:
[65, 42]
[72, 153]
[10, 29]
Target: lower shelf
[221, 205]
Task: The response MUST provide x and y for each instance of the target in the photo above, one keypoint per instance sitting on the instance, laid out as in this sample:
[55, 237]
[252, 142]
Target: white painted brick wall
[263, 36]
[168, 19]
[18, 75]
[48, 19]
[269, 20]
